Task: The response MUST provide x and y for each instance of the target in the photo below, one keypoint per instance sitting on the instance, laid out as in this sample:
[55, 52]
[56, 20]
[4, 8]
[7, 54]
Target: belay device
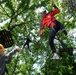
[6, 38]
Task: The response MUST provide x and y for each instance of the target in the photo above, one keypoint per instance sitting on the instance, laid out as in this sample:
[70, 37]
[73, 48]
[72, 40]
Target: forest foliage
[21, 18]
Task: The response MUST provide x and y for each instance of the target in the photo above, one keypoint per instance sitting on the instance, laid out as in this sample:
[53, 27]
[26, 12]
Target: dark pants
[58, 26]
[3, 73]
[5, 70]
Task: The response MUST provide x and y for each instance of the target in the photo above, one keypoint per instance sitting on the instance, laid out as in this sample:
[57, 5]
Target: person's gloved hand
[37, 39]
[18, 49]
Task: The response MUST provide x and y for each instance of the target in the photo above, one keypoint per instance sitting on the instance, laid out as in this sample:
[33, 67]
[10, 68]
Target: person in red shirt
[50, 21]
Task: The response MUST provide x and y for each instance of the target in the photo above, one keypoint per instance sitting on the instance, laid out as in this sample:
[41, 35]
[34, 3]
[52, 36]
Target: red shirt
[49, 18]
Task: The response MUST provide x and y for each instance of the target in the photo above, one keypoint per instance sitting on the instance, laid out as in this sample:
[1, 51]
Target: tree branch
[15, 25]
